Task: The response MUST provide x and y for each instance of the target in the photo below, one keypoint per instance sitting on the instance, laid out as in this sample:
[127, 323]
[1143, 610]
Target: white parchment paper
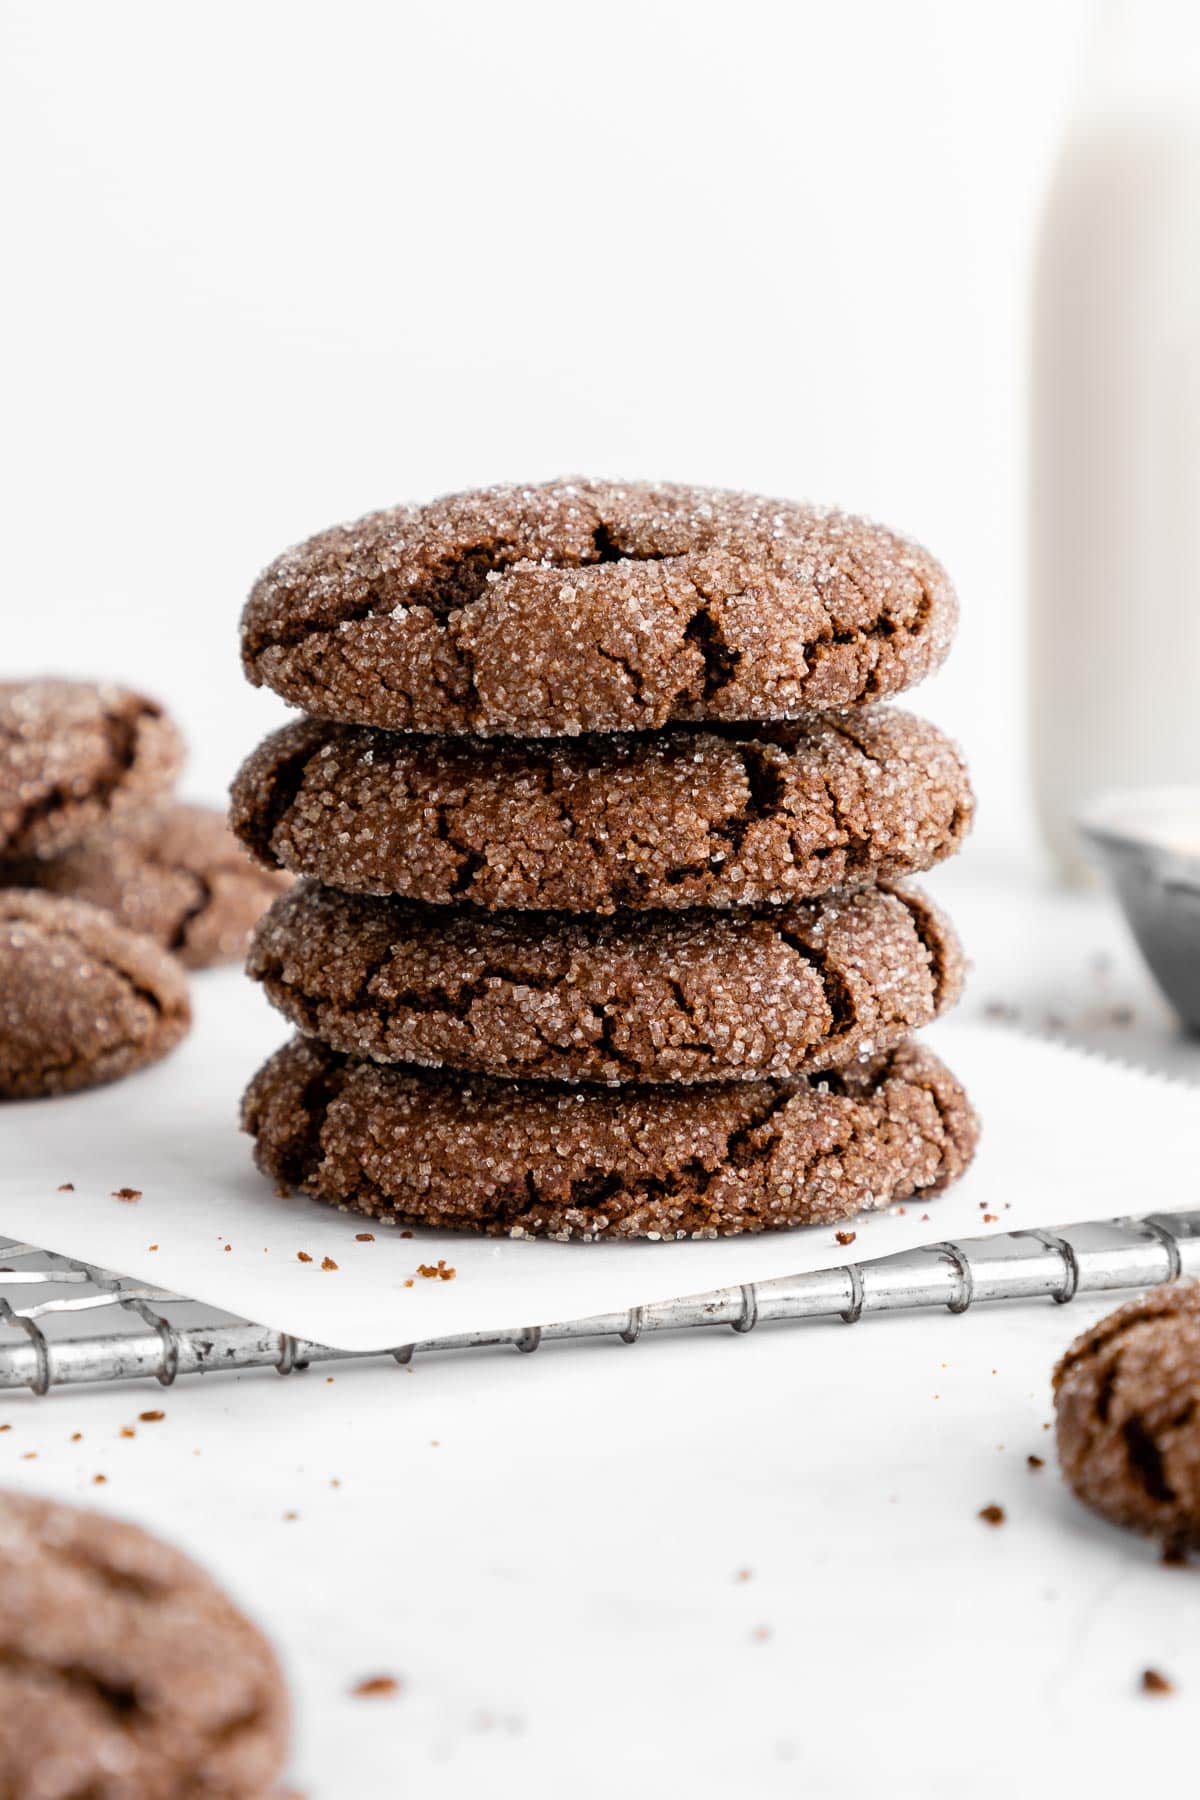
[1066, 1137]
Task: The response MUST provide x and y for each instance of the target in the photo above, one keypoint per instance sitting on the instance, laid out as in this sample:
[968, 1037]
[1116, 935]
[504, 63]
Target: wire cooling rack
[65, 1322]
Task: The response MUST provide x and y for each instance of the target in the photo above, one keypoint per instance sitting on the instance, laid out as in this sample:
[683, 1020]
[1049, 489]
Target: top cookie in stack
[585, 606]
[652, 977]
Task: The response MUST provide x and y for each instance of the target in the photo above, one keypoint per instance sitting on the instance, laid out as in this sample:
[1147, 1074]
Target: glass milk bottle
[1115, 521]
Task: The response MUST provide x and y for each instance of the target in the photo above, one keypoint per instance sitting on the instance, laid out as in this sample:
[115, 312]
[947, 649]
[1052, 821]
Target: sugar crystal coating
[536, 1159]
[746, 816]
[82, 1000]
[73, 756]
[174, 871]
[692, 996]
[1127, 1400]
[595, 606]
[125, 1673]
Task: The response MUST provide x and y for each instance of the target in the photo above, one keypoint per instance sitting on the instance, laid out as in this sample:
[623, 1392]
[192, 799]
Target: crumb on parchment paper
[373, 1687]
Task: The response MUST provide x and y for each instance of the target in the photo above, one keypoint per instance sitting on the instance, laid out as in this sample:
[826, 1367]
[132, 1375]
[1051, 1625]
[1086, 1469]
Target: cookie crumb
[440, 1271]
[991, 1218]
[1035, 1462]
[845, 1237]
[126, 1193]
[152, 1416]
[291, 1515]
[303, 1256]
[761, 1633]
[992, 1514]
[152, 1246]
[327, 1262]
[364, 1237]
[743, 1574]
[375, 1687]
[66, 1187]
[76, 1437]
[99, 1480]
[127, 1431]
[29, 1456]
[1155, 1682]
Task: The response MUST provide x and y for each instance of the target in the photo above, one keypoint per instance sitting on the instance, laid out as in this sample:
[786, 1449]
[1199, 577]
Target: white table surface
[708, 1565]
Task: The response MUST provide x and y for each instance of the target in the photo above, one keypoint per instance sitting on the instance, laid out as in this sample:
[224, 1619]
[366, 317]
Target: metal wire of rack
[44, 1297]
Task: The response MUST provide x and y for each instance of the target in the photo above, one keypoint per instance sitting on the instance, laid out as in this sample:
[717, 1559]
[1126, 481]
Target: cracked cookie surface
[533, 1159]
[124, 1670]
[680, 818]
[693, 996]
[82, 1000]
[1127, 1401]
[595, 606]
[174, 871]
[75, 755]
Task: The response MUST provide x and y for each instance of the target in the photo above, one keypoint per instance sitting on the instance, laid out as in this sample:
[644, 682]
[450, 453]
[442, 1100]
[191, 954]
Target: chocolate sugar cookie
[682, 818]
[594, 606]
[125, 1673]
[73, 756]
[174, 871]
[1127, 1396]
[82, 1000]
[650, 996]
[533, 1159]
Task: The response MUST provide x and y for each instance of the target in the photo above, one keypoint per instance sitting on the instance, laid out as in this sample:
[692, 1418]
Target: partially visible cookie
[1127, 1397]
[693, 996]
[591, 605]
[530, 1159]
[682, 818]
[125, 1672]
[82, 1000]
[595, 606]
[174, 871]
[75, 755]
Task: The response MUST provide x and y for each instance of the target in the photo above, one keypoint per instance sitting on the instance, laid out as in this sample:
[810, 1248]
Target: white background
[270, 265]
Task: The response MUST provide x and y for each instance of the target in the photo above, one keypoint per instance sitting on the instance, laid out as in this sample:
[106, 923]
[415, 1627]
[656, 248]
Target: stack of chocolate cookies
[603, 931]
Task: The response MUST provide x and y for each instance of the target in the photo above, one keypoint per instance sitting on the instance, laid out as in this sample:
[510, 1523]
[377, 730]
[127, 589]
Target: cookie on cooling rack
[82, 1000]
[749, 816]
[1127, 1400]
[692, 996]
[533, 1159]
[124, 1670]
[595, 606]
[75, 755]
[174, 871]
